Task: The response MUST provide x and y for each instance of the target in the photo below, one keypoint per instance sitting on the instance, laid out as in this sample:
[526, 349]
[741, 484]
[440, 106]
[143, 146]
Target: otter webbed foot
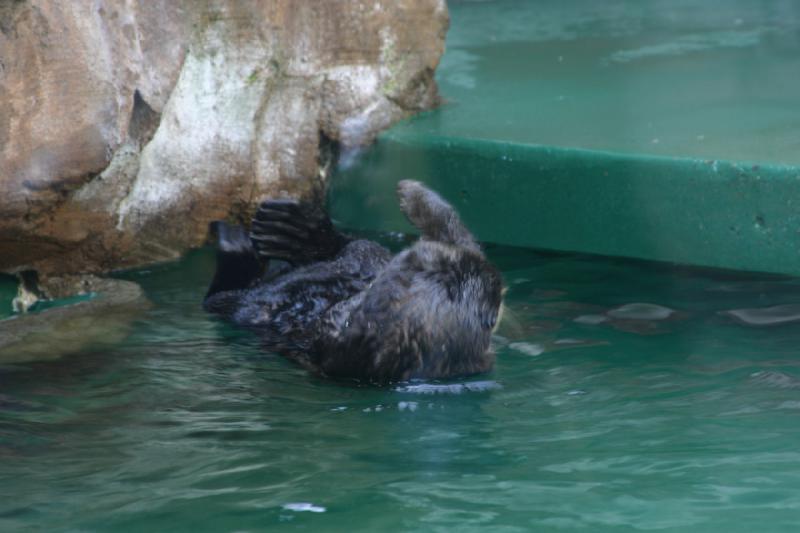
[296, 232]
[237, 263]
[433, 216]
[231, 239]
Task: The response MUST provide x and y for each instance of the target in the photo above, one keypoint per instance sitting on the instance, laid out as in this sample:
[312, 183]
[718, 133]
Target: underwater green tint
[665, 130]
[8, 290]
[711, 79]
[623, 398]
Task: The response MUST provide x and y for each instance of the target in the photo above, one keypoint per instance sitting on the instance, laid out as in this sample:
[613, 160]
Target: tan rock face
[126, 126]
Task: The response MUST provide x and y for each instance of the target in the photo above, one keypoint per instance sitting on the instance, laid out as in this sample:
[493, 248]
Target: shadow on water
[8, 289]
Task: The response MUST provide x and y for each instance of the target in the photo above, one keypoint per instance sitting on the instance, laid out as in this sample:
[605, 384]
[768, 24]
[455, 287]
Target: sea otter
[345, 307]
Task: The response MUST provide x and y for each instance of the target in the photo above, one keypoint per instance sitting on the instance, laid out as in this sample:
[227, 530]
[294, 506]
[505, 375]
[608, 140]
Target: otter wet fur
[347, 308]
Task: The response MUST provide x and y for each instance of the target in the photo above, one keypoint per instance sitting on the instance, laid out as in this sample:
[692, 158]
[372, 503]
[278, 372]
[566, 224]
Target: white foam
[451, 388]
[304, 507]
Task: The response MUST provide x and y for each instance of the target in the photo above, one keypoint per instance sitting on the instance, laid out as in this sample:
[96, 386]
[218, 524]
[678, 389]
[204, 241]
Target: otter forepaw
[293, 231]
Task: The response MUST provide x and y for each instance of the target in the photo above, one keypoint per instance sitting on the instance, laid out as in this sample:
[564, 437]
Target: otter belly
[429, 314]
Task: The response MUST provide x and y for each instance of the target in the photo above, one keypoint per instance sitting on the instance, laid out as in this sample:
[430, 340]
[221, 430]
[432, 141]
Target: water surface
[706, 80]
[622, 399]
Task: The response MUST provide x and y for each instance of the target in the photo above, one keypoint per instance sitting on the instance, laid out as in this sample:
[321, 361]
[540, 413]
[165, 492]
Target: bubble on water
[304, 507]
[641, 311]
[591, 320]
[766, 316]
[528, 348]
[450, 388]
[339, 409]
[407, 406]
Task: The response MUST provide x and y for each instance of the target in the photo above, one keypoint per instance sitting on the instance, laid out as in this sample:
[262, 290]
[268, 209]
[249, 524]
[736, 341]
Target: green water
[711, 79]
[685, 423]
[8, 290]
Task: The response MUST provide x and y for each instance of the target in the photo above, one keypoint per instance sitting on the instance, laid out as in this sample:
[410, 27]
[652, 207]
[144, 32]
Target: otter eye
[490, 321]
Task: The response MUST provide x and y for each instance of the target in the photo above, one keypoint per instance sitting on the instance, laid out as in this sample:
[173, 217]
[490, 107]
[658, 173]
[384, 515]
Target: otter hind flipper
[433, 216]
[296, 232]
[230, 238]
[237, 263]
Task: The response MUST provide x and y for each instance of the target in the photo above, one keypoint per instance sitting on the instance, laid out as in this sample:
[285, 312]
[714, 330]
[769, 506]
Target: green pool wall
[707, 213]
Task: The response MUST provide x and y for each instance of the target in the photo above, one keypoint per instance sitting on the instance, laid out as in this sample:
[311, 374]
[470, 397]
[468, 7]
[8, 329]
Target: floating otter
[346, 308]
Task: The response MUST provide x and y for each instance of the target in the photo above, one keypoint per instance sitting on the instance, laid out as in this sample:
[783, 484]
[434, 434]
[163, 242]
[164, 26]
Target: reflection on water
[585, 424]
[767, 316]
